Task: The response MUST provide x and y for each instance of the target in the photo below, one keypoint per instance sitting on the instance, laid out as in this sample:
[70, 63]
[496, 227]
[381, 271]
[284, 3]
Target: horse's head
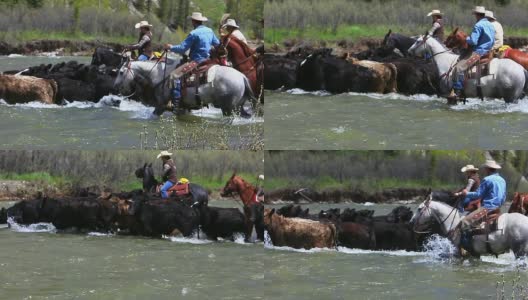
[456, 40]
[519, 203]
[147, 174]
[124, 82]
[419, 47]
[423, 217]
[231, 186]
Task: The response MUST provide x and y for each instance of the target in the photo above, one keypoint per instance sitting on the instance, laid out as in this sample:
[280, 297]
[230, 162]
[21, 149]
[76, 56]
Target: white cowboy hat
[143, 24]
[489, 14]
[164, 153]
[261, 177]
[198, 17]
[231, 22]
[435, 12]
[491, 164]
[468, 168]
[479, 10]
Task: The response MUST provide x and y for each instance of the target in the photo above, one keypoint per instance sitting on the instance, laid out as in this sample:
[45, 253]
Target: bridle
[431, 212]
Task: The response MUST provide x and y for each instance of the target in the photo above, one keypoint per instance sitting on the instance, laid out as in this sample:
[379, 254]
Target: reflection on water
[301, 120]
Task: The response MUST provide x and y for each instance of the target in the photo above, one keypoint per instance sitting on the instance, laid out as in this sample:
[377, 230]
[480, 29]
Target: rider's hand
[167, 46]
[464, 192]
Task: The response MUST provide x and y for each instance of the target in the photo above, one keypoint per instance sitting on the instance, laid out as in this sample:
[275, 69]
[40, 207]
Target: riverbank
[290, 195]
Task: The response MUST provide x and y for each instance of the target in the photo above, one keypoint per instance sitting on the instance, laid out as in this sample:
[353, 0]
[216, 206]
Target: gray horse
[512, 233]
[226, 88]
[506, 80]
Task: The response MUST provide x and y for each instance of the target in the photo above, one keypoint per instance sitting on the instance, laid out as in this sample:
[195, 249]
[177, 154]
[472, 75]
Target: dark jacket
[144, 44]
[169, 171]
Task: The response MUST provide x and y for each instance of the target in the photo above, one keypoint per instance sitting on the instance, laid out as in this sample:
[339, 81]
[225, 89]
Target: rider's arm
[473, 38]
[470, 184]
[184, 46]
[479, 192]
[140, 44]
[166, 170]
[435, 26]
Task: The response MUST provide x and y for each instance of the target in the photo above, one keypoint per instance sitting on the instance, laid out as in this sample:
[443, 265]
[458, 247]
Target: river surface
[319, 121]
[36, 263]
[361, 274]
[88, 125]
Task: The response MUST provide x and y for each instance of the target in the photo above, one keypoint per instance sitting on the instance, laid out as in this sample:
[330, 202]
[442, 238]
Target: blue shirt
[199, 41]
[482, 37]
[492, 191]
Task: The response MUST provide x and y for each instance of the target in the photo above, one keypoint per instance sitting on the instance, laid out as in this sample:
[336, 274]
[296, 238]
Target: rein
[434, 215]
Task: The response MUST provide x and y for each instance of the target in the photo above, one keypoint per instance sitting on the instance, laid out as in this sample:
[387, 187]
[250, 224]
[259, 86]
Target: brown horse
[457, 40]
[248, 62]
[253, 209]
[516, 55]
[519, 204]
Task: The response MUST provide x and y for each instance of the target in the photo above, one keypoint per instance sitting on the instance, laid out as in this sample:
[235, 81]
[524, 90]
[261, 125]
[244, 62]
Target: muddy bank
[336, 196]
[344, 46]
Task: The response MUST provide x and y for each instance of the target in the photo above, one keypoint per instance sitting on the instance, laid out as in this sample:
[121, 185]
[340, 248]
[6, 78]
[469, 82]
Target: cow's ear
[145, 165]
[234, 174]
[456, 30]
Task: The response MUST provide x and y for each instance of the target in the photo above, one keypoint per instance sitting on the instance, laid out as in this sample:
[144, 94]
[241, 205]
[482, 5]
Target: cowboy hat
[164, 153]
[261, 177]
[468, 168]
[489, 14]
[479, 10]
[491, 164]
[143, 24]
[435, 12]
[231, 22]
[197, 16]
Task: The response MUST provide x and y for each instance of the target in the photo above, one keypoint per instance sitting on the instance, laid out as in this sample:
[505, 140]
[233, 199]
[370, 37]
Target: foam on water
[189, 240]
[101, 234]
[38, 227]
[15, 55]
[491, 106]
[383, 252]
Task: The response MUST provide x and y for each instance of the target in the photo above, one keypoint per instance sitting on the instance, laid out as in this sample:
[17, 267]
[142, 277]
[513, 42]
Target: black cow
[3, 215]
[280, 72]
[322, 71]
[221, 222]
[106, 56]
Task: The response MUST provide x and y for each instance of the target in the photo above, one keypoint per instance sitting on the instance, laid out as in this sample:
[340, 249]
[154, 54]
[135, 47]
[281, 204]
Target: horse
[151, 185]
[457, 39]
[253, 210]
[398, 41]
[248, 62]
[512, 233]
[507, 79]
[519, 204]
[225, 87]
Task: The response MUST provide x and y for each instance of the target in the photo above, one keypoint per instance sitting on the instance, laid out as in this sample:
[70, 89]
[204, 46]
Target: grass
[43, 177]
[356, 32]
[366, 184]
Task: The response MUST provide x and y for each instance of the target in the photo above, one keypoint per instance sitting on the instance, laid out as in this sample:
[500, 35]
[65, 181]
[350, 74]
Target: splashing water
[439, 249]
[37, 227]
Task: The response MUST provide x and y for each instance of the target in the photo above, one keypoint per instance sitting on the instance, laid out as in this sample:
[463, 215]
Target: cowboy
[260, 188]
[232, 29]
[473, 183]
[499, 32]
[481, 41]
[169, 172]
[143, 45]
[492, 191]
[199, 43]
[437, 29]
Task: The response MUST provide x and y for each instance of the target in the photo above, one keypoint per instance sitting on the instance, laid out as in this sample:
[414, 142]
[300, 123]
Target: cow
[298, 233]
[221, 222]
[386, 71]
[22, 89]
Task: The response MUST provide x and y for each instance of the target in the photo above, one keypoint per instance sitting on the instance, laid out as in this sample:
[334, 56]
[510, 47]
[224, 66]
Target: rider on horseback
[232, 29]
[473, 183]
[437, 29]
[199, 43]
[169, 172]
[144, 43]
[481, 39]
[492, 191]
[499, 32]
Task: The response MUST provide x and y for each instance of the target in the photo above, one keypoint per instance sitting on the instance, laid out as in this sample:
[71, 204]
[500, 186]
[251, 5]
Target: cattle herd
[135, 213]
[318, 69]
[291, 226]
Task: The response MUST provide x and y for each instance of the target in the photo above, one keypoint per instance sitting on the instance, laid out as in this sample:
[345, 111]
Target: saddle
[487, 222]
[479, 66]
[194, 75]
[179, 190]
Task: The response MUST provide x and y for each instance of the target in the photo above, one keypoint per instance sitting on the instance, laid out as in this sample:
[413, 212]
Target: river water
[87, 125]
[319, 121]
[360, 274]
[36, 263]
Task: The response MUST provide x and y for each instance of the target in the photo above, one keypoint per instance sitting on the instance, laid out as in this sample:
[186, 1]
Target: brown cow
[22, 89]
[298, 233]
[386, 71]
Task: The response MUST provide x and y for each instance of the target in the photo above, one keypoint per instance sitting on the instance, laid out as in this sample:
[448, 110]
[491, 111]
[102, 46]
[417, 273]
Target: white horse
[226, 88]
[512, 232]
[507, 79]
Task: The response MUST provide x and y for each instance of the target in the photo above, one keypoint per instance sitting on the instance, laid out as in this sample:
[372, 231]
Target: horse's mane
[247, 184]
[247, 51]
